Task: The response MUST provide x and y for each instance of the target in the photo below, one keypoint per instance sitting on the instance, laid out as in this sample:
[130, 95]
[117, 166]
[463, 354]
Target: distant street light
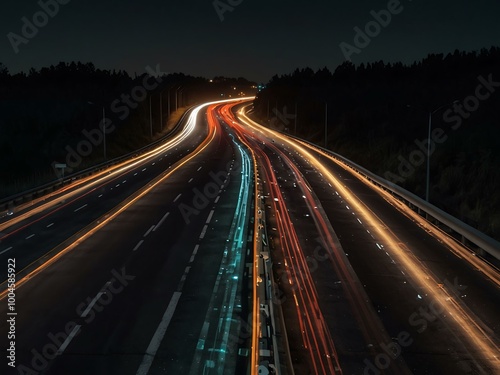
[161, 106]
[428, 173]
[176, 97]
[295, 131]
[326, 125]
[103, 128]
[150, 119]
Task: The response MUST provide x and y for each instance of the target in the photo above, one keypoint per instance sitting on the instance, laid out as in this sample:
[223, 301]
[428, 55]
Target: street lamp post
[176, 98]
[326, 125]
[103, 128]
[429, 139]
[161, 112]
[295, 130]
[150, 119]
[104, 131]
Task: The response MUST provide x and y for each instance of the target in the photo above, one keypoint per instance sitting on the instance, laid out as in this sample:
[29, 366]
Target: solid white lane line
[68, 339]
[91, 305]
[30, 236]
[177, 197]
[147, 361]
[217, 199]
[138, 245]
[161, 221]
[203, 232]
[210, 216]
[78, 209]
[4, 251]
[149, 231]
[48, 226]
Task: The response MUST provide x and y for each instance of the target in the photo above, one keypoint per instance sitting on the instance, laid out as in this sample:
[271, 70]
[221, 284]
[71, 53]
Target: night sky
[255, 40]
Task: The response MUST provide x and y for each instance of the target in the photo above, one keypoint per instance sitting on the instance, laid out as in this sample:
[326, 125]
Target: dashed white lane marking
[191, 179]
[153, 164]
[217, 199]
[195, 251]
[138, 245]
[379, 246]
[4, 251]
[203, 232]
[199, 169]
[347, 207]
[48, 226]
[30, 236]
[135, 174]
[70, 337]
[99, 196]
[144, 169]
[91, 304]
[78, 209]
[161, 221]
[177, 197]
[149, 356]
[149, 230]
[210, 216]
[360, 222]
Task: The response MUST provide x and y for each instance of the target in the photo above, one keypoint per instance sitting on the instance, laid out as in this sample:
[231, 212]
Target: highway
[145, 286]
[150, 267]
[430, 306]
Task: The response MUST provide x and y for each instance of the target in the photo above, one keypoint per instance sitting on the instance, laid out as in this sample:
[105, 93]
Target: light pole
[103, 128]
[161, 112]
[104, 131]
[176, 98]
[429, 140]
[295, 130]
[326, 125]
[150, 119]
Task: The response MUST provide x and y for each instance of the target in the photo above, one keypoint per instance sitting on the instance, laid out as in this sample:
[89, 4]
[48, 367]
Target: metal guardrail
[481, 240]
[26, 196]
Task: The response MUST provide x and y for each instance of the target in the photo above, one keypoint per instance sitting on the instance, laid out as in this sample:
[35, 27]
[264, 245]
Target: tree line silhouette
[43, 112]
[378, 112]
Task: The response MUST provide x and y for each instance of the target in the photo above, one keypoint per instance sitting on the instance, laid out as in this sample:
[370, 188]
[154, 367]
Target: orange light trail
[419, 276]
[315, 333]
[211, 135]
